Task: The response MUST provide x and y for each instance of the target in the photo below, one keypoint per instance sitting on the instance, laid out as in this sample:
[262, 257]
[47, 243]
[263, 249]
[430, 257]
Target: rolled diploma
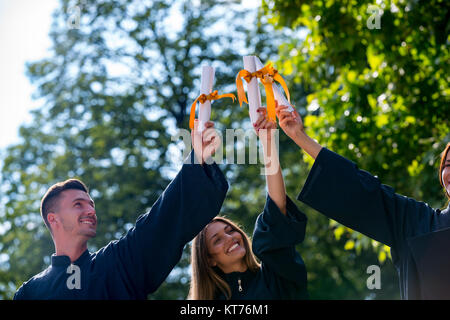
[254, 96]
[207, 80]
[277, 92]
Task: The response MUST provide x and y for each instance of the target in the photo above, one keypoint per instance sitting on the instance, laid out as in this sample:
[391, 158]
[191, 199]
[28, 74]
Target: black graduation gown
[282, 274]
[136, 265]
[338, 189]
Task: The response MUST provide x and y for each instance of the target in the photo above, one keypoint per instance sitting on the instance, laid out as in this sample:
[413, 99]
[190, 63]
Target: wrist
[309, 145]
[198, 159]
[270, 152]
[300, 136]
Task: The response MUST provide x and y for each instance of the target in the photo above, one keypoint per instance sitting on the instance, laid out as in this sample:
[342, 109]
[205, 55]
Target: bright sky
[24, 28]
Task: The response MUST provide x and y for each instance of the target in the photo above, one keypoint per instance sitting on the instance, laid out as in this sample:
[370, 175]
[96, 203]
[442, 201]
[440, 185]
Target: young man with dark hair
[51, 200]
[135, 265]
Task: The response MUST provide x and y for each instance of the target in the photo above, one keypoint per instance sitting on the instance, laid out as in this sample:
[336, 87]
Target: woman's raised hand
[292, 125]
[290, 122]
[264, 127]
[205, 143]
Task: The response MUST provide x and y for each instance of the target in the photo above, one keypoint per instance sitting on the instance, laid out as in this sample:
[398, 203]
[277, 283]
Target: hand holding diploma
[265, 128]
[206, 142]
[290, 122]
[292, 125]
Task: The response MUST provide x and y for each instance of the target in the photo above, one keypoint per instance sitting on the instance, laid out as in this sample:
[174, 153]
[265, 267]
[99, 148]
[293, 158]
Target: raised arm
[150, 250]
[266, 131]
[337, 188]
[280, 227]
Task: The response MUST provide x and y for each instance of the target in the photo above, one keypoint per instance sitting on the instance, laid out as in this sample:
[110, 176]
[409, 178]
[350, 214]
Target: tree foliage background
[119, 86]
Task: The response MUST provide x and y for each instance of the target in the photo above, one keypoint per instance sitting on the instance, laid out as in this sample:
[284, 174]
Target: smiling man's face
[75, 215]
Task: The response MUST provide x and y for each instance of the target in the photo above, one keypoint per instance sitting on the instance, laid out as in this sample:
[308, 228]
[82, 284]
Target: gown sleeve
[338, 189]
[20, 294]
[150, 250]
[274, 240]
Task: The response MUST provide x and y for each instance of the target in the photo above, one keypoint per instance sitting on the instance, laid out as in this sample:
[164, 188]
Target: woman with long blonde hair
[224, 260]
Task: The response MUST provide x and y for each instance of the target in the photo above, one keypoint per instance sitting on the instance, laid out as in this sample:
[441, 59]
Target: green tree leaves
[376, 96]
[117, 88]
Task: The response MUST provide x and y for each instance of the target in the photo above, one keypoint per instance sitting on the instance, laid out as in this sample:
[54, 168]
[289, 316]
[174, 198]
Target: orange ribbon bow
[202, 99]
[267, 75]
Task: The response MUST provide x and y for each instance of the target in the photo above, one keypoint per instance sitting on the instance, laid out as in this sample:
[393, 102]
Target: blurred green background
[370, 79]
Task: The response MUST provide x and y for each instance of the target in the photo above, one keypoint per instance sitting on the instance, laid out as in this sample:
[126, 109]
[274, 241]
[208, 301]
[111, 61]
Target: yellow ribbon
[267, 75]
[202, 99]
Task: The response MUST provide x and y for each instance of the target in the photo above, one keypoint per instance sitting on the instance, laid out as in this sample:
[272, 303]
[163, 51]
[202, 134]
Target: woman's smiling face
[225, 247]
[446, 174]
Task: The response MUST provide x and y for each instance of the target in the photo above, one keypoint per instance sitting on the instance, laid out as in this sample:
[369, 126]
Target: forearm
[274, 176]
[337, 188]
[309, 145]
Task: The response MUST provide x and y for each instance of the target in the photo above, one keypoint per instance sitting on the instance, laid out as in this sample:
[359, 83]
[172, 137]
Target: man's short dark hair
[50, 201]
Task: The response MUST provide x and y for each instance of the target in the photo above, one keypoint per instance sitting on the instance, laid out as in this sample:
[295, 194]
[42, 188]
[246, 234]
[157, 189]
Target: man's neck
[72, 250]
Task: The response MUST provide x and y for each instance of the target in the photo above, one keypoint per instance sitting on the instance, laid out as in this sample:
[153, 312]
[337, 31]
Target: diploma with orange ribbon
[277, 92]
[268, 76]
[254, 96]
[205, 98]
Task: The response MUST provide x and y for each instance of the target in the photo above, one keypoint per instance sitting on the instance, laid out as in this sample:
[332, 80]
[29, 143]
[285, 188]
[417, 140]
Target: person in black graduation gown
[135, 265]
[418, 235]
[223, 265]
